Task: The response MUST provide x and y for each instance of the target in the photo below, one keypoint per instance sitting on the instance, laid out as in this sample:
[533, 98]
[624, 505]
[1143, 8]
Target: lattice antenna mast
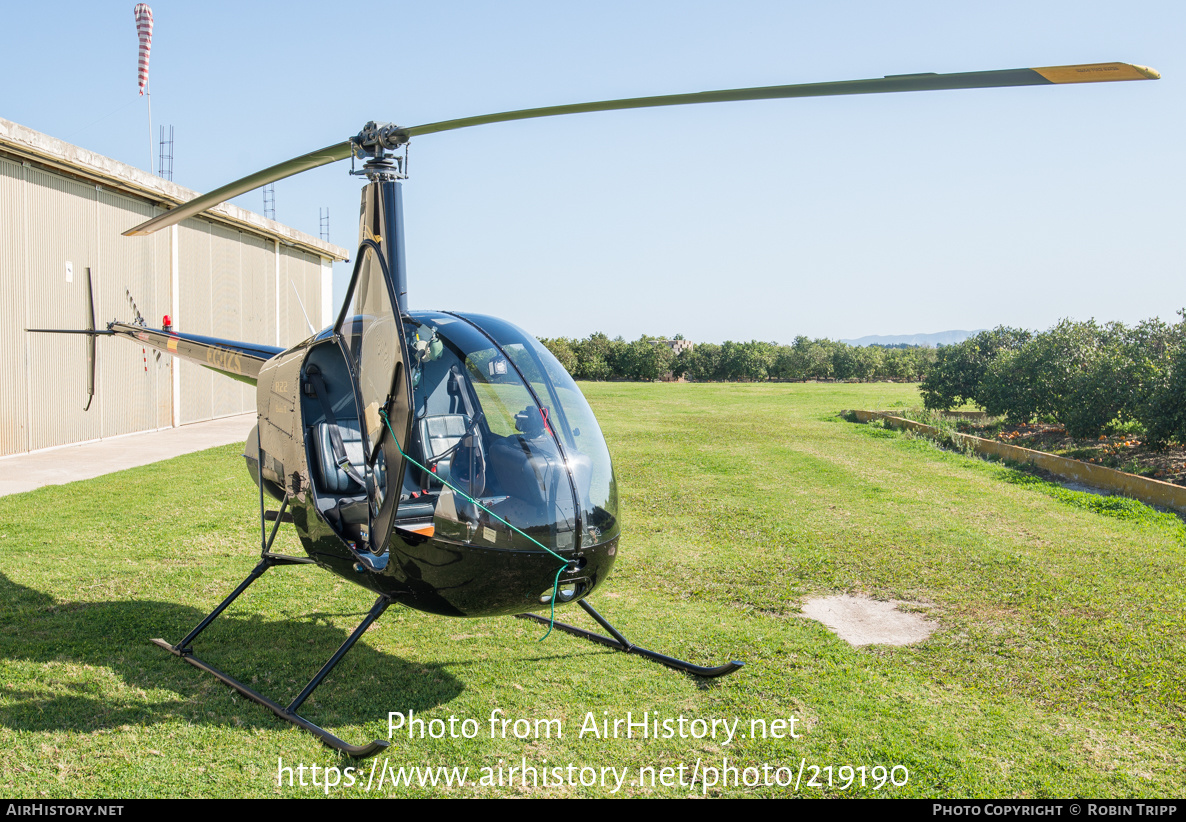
[165, 163]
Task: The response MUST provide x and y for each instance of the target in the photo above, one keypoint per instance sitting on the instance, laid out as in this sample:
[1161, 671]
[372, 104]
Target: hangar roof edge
[25, 143]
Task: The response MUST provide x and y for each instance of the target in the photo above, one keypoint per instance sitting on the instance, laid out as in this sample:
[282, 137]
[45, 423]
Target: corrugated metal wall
[195, 316]
[14, 406]
[304, 271]
[228, 289]
[130, 277]
[56, 363]
[226, 320]
[229, 284]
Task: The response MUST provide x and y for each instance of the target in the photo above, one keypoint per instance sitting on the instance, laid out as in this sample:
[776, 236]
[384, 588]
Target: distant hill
[933, 340]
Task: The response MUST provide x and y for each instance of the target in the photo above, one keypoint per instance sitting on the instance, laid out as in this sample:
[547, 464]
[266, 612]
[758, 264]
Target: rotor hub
[372, 144]
[375, 138]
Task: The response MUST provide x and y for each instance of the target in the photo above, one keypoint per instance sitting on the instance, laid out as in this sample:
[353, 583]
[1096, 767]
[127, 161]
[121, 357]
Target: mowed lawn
[1056, 668]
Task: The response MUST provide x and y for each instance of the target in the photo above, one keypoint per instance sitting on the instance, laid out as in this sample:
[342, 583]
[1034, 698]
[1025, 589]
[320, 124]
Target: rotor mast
[381, 216]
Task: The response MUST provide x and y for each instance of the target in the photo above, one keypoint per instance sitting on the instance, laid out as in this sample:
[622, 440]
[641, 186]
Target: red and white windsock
[144, 31]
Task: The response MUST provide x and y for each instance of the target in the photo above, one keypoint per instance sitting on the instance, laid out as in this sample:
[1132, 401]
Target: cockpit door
[371, 335]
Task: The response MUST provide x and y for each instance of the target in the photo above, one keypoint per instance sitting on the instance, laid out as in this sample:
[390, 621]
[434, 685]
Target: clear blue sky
[833, 217]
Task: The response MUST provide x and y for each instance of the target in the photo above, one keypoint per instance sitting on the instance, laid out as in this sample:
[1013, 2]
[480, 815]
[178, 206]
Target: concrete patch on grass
[864, 621]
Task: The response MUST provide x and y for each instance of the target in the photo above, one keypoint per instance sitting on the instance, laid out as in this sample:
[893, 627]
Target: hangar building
[228, 273]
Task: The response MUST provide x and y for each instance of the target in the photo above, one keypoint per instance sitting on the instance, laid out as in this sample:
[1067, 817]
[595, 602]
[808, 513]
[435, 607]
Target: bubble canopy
[497, 420]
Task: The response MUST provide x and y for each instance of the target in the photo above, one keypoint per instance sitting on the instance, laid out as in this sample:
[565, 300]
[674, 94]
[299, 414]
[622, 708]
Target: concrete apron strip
[1151, 491]
[56, 466]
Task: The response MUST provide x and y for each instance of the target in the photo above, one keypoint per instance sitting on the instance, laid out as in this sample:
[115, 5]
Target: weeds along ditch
[1123, 446]
[1029, 476]
[1055, 669]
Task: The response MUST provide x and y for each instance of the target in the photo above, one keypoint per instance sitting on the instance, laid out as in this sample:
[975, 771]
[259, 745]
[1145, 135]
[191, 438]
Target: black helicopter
[443, 460]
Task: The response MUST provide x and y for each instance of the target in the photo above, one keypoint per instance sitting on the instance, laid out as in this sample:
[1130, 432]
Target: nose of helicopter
[442, 577]
[567, 591]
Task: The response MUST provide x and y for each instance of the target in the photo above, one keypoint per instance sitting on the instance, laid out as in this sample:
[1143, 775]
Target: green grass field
[1057, 669]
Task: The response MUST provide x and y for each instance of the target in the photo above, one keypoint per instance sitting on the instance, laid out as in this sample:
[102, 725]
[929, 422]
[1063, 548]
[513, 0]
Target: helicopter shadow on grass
[96, 669]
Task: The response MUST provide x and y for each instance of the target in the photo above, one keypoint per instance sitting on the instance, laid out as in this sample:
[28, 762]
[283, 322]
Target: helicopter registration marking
[225, 360]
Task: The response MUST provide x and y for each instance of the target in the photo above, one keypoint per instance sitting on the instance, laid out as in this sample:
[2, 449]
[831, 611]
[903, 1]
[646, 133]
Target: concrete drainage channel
[1150, 491]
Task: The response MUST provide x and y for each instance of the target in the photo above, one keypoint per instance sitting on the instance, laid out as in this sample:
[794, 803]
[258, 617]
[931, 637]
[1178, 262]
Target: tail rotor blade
[90, 341]
[90, 333]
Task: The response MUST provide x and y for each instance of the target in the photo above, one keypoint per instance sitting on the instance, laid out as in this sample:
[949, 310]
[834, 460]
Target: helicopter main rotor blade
[1093, 73]
[1049, 75]
[314, 159]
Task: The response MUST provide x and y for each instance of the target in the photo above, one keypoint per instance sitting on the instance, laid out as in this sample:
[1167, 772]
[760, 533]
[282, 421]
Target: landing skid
[620, 643]
[268, 559]
[289, 713]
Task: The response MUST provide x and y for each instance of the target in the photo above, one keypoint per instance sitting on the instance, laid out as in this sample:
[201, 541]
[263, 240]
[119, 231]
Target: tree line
[1086, 376]
[597, 357]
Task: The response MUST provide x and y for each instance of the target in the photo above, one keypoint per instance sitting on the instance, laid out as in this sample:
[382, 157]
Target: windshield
[570, 417]
[485, 450]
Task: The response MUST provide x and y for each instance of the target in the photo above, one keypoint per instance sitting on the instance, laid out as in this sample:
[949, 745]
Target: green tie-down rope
[559, 571]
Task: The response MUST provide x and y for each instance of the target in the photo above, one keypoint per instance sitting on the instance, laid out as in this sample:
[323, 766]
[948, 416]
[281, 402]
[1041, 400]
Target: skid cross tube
[620, 643]
[289, 714]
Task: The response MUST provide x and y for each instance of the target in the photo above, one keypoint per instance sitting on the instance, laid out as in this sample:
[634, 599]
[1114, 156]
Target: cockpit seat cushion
[336, 480]
[454, 456]
[438, 434]
[353, 511]
[441, 432]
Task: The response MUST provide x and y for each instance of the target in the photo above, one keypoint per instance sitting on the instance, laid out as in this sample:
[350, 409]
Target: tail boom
[238, 360]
